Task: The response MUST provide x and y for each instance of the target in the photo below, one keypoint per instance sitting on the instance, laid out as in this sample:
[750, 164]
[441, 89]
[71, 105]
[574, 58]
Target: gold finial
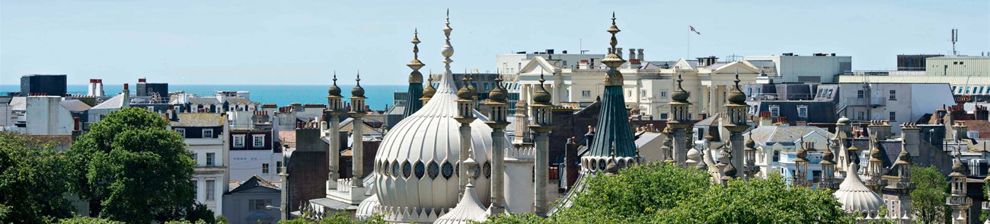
[335, 77]
[416, 64]
[613, 59]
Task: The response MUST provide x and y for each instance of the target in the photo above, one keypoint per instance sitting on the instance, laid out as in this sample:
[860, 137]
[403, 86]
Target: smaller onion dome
[499, 93]
[429, 90]
[680, 95]
[357, 91]
[464, 93]
[736, 96]
[903, 158]
[958, 169]
[334, 89]
[750, 144]
[729, 170]
[875, 153]
[541, 96]
[827, 156]
[855, 196]
[853, 148]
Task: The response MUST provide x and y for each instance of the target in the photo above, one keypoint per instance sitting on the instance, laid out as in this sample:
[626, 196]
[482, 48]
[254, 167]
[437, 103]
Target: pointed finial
[541, 77]
[335, 77]
[358, 77]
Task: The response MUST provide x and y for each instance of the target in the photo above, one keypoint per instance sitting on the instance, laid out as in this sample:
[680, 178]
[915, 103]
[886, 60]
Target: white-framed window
[663, 94]
[211, 159]
[893, 116]
[211, 186]
[585, 93]
[181, 131]
[258, 141]
[207, 133]
[642, 92]
[774, 110]
[195, 157]
[151, 108]
[238, 141]
[802, 111]
[893, 95]
[860, 94]
[264, 168]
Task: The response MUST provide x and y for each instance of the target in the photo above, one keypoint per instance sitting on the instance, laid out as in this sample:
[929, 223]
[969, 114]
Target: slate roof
[204, 100]
[785, 135]
[198, 120]
[74, 105]
[255, 182]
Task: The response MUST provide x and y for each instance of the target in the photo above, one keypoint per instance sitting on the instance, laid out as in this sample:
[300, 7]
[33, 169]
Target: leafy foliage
[663, 193]
[32, 181]
[132, 169]
[88, 220]
[928, 197]
[758, 201]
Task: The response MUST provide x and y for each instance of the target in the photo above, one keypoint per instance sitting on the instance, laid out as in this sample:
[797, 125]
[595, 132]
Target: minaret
[801, 164]
[542, 124]
[522, 136]
[957, 199]
[841, 132]
[680, 121]
[828, 168]
[335, 107]
[735, 111]
[898, 193]
[497, 104]
[613, 143]
[465, 115]
[874, 169]
[750, 169]
[667, 147]
[415, 80]
[357, 135]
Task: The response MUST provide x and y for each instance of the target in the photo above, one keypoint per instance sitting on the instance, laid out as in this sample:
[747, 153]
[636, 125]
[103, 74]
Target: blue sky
[300, 42]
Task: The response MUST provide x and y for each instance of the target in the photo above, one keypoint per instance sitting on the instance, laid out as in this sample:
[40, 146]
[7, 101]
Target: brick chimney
[911, 138]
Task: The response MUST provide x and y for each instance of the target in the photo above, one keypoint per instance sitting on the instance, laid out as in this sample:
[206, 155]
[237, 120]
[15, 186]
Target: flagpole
[688, 46]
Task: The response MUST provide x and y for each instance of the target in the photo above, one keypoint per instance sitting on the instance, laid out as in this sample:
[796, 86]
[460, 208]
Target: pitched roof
[785, 134]
[74, 105]
[115, 102]
[198, 120]
[255, 182]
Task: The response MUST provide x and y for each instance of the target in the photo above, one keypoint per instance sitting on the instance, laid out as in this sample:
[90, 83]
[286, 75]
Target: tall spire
[415, 90]
[447, 84]
[614, 136]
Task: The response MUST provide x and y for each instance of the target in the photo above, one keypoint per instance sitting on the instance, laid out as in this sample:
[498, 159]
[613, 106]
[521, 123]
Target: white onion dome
[855, 196]
[417, 178]
[367, 208]
[469, 209]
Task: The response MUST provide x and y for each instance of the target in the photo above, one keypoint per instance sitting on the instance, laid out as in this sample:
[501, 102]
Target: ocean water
[378, 96]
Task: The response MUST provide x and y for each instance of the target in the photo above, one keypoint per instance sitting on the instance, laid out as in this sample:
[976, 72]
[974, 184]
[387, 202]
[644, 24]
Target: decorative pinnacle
[541, 77]
[335, 77]
[358, 78]
[679, 81]
[613, 59]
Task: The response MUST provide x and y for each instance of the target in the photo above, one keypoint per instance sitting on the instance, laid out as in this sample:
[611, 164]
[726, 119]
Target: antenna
[955, 38]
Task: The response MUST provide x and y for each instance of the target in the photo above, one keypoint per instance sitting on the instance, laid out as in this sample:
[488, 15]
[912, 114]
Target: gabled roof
[685, 64]
[115, 102]
[254, 183]
[785, 134]
[541, 63]
[742, 66]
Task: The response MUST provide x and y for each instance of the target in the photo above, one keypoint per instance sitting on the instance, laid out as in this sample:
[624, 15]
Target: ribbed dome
[855, 196]
[357, 91]
[499, 93]
[418, 157]
[429, 91]
[541, 95]
[367, 208]
[957, 168]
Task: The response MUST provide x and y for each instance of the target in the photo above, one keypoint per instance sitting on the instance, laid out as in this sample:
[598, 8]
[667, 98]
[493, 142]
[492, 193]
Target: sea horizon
[378, 96]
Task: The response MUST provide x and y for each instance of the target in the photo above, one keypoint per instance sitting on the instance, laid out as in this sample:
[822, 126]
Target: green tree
[768, 200]
[87, 220]
[132, 169]
[662, 193]
[32, 181]
[928, 197]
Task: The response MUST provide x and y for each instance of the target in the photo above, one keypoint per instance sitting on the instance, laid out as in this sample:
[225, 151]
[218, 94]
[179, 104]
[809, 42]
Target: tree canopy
[132, 169]
[32, 181]
[928, 196]
[663, 193]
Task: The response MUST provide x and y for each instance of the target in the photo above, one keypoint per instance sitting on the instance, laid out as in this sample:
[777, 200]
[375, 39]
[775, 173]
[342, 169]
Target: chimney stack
[127, 96]
[99, 87]
[142, 80]
[632, 53]
[911, 138]
[91, 89]
[639, 55]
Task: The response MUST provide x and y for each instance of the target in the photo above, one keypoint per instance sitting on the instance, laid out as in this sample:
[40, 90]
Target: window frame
[210, 130]
[211, 189]
[255, 139]
[265, 168]
[181, 131]
[774, 110]
[211, 159]
[238, 144]
[802, 108]
[892, 95]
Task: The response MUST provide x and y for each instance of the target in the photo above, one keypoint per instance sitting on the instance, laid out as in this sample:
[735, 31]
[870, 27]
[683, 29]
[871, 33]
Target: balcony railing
[872, 101]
